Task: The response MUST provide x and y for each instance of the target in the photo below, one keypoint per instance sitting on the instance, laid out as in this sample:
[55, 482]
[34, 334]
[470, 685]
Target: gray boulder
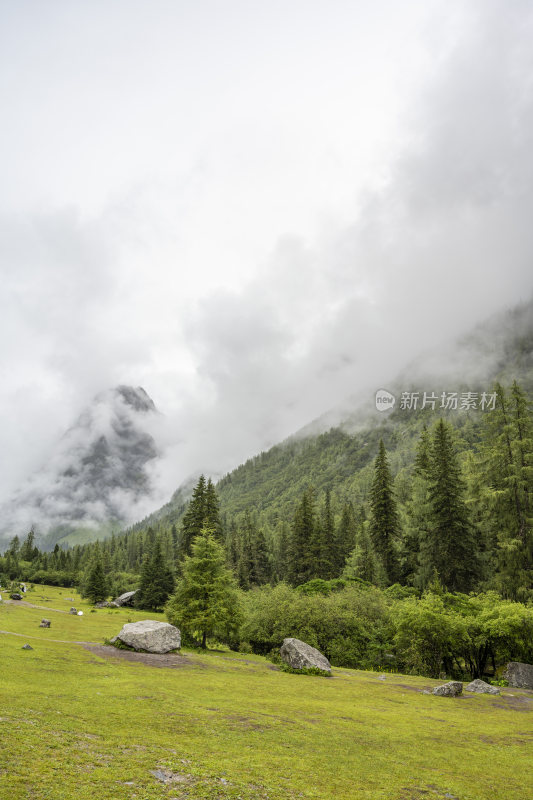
[125, 599]
[27, 647]
[450, 689]
[519, 675]
[45, 623]
[73, 610]
[152, 636]
[480, 687]
[299, 655]
[16, 596]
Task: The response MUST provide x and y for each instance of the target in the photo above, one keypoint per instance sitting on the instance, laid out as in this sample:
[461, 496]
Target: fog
[256, 220]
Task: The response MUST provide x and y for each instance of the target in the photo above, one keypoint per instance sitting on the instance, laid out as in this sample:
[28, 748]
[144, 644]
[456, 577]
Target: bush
[350, 626]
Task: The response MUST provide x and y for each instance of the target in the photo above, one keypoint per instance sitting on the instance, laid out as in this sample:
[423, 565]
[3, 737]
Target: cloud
[238, 357]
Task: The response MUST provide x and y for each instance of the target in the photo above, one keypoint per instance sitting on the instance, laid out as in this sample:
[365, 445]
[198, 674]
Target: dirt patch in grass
[243, 722]
[516, 703]
[169, 660]
[405, 686]
[31, 605]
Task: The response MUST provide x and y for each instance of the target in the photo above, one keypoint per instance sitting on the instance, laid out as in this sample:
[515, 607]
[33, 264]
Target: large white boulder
[150, 635]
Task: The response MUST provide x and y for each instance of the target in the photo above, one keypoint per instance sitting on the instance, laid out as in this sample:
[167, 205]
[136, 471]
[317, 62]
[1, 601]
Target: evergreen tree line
[461, 515]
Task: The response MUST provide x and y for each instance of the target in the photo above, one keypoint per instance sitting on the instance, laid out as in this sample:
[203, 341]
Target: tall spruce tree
[450, 545]
[193, 519]
[418, 512]
[212, 511]
[327, 550]
[345, 535]
[384, 525]
[96, 584]
[301, 566]
[157, 579]
[507, 458]
[206, 600]
[203, 510]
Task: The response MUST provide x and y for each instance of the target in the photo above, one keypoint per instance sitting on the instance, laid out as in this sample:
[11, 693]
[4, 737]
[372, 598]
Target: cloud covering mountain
[99, 472]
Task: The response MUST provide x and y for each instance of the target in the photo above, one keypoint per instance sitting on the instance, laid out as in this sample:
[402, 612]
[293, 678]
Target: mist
[246, 306]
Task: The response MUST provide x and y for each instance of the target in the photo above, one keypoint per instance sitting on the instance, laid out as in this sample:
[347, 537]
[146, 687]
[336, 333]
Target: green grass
[226, 725]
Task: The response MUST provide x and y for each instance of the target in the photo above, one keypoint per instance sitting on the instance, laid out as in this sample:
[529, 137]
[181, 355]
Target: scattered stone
[167, 777]
[73, 611]
[382, 677]
[16, 596]
[125, 599]
[518, 675]
[152, 636]
[80, 613]
[299, 655]
[26, 647]
[480, 687]
[45, 623]
[450, 689]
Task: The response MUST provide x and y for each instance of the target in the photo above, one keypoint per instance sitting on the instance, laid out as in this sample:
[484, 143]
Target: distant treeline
[459, 507]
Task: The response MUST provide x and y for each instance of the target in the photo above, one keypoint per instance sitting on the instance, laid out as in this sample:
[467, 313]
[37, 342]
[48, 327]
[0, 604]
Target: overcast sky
[251, 209]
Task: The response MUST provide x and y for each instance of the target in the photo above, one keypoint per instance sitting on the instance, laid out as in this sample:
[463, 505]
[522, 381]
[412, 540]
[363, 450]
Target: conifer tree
[346, 535]
[260, 557]
[508, 471]
[157, 579]
[203, 510]
[418, 512]
[362, 562]
[193, 519]
[300, 566]
[327, 552]
[206, 600]
[384, 526]
[96, 586]
[212, 511]
[281, 553]
[28, 551]
[450, 546]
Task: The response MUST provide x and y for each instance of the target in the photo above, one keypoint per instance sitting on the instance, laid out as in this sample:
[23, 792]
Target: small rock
[125, 599]
[16, 596]
[160, 775]
[26, 647]
[73, 611]
[480, 687]
[382, 677]
[450, 689]
[45, 623]
[299, 655]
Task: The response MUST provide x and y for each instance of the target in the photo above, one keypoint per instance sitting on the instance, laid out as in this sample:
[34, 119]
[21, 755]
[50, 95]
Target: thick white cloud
[251, 216]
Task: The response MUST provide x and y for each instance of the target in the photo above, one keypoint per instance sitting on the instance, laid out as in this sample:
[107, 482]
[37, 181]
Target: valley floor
[82, 720]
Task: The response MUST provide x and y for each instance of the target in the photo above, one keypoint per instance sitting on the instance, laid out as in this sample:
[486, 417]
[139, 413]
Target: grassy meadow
[78, 724]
